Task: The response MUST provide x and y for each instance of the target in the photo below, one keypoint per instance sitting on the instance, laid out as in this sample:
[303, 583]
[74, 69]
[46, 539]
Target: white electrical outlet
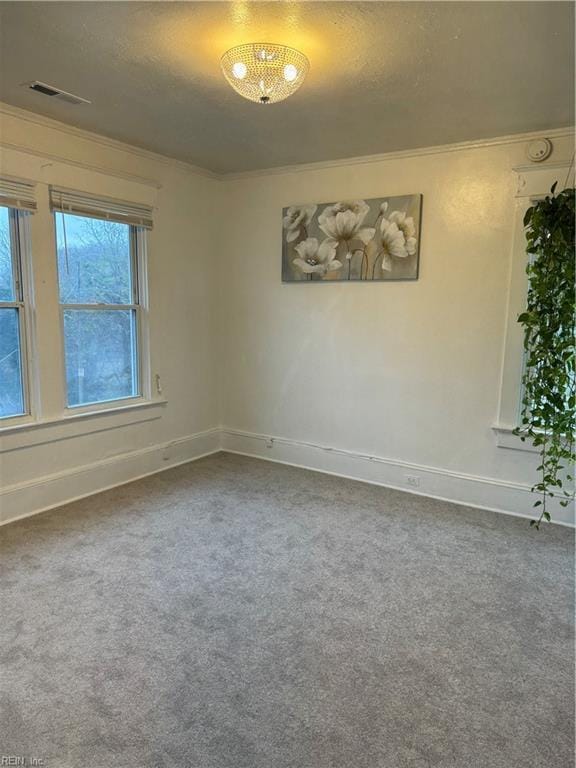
[269, 442]
[413, 481]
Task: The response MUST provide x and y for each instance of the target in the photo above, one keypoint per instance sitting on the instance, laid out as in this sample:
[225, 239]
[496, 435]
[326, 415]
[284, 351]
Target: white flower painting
[356, 240]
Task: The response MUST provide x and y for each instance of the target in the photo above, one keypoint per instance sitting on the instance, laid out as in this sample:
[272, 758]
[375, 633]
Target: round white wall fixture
[539, 150]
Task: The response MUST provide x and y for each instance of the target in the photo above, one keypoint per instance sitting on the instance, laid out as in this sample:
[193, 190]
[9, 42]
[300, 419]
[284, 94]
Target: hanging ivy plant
[548, 402]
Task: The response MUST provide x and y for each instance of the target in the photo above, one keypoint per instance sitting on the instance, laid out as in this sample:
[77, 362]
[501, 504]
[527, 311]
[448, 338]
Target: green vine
[548, 402]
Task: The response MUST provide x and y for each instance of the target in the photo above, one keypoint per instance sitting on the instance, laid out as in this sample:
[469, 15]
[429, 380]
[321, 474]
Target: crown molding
[105, 141]
[80, 164]
[515, 138]
[48, 122]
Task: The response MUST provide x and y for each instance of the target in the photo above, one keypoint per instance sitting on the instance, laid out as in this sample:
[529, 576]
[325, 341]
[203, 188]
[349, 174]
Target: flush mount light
[264, 72]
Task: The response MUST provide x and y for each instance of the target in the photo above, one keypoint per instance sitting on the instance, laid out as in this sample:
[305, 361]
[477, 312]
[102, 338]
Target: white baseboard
[43, 493]
[474, 491]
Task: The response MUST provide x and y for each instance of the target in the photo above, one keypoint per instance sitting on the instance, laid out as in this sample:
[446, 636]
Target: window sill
[505, 438]
[29, 433]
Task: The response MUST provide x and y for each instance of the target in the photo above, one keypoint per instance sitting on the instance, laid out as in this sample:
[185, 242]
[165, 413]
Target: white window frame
[139, 305]
[19, 225]
[533, 183]
[48, 419]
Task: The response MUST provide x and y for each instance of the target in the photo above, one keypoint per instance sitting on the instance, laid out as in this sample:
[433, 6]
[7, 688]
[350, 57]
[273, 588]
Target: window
[534, 182]
[101, 305]
[13, 395]
[79, 297]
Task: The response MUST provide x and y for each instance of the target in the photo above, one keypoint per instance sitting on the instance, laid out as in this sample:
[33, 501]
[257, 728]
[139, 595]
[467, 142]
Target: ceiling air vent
[56, 93]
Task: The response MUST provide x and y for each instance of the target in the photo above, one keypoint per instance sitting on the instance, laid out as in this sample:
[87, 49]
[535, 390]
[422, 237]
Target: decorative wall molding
[81, 133]
[43, 493]
[439, 149]
[78, 424]
[534, 181]
[456, 487]
[104, 141]
[507, 438]
[62, 159]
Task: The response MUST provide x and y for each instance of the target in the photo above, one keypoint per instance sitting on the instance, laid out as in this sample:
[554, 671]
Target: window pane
[94, 264]
[11, 398]
[6, 282]
[100, 348]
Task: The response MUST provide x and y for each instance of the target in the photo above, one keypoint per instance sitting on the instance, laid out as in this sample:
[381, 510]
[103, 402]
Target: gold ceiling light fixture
[264, 72]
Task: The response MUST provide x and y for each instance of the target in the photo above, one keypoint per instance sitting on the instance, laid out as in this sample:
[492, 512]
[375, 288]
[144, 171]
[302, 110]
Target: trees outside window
[100, 305]
[12, 336]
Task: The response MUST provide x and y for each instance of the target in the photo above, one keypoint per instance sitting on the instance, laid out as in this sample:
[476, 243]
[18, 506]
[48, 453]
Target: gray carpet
[234, 613]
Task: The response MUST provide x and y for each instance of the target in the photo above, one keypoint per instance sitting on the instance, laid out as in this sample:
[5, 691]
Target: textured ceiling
[384, 76]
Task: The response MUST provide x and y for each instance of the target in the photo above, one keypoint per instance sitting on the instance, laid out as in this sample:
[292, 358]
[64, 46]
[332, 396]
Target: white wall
[394, 379]
[406, 372]
[181, 282]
